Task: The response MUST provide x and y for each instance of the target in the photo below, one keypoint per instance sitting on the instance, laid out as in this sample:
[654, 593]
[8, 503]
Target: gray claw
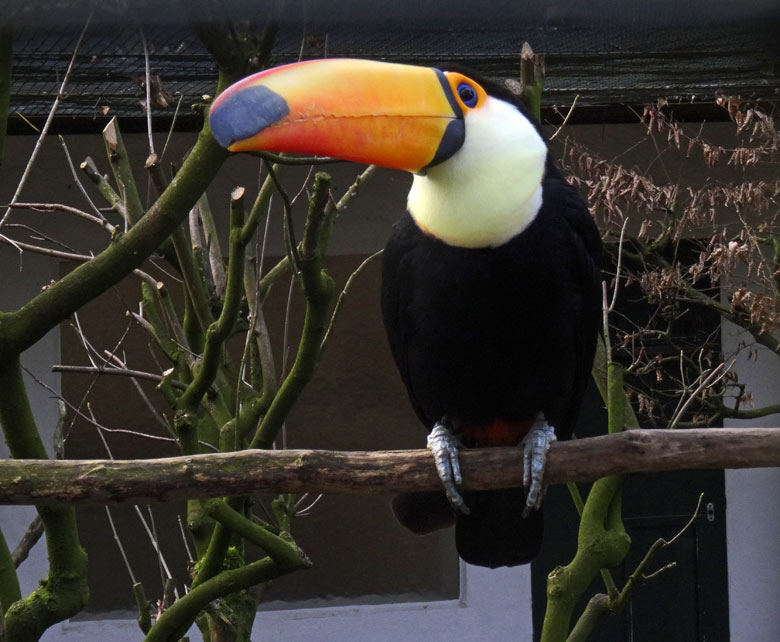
[444, 446]
[535, 446]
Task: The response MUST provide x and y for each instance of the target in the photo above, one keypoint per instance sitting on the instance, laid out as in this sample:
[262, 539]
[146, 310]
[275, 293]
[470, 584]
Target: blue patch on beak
[245, 113]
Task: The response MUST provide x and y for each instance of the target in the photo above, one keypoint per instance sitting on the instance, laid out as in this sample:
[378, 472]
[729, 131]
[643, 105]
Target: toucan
[491, 290]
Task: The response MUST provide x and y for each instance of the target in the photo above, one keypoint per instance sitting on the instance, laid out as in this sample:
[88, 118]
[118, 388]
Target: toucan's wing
[585, 272]
[397, 297]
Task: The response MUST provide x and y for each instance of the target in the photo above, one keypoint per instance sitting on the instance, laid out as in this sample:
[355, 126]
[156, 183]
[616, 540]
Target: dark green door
[686, 603]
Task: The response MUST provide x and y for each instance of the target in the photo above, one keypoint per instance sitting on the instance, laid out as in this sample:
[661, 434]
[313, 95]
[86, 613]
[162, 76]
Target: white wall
[753, 512]
[495, 606]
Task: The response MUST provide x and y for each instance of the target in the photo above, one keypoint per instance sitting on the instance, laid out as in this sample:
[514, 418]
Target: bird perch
[43, 482]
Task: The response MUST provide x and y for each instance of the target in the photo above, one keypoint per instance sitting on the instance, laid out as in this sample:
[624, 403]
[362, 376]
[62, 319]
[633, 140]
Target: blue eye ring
[467, 94]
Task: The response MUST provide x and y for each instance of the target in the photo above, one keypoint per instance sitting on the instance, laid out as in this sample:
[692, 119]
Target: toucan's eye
[467, 94]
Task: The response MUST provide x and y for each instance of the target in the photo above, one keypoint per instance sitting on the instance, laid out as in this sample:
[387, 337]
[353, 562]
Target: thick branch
[169, 626]
[229, 474]
[64, 592]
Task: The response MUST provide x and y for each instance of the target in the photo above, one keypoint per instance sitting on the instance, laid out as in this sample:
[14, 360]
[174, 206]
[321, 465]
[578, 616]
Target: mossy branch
[24, 327]
[64, 592]
[600, 605]
[602, 542]
[144, 618]
[123, 171]
[246, 472]
[211, 560]
[331, 214]
[282, 551]
[218, 332]
[318, 291]
[104, 187]
[9, 581]
[175, 621]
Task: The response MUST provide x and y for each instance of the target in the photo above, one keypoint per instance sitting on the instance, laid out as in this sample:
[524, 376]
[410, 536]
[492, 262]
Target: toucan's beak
[397, 116]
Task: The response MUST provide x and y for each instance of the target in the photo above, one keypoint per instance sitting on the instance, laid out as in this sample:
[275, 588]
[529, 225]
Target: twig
[220, 329]
[154, 541]
[148, 86]
[87, 418]
[184, 539]
[317, 289]
[122, 372]
[120, 546]
[260, 352]
[710, 379]
[145, 398]
[152, 536]
[60, 207]
[566, 120]
[80, 185]
[275, 273]
[303, 512]
[605, 321]
[169, 586]
[173, 124]
[619, 263]
[49, 119]
[70, 254]
[286, 159]
[638, 576]
[343, 294]
[144, 618]
[101, 182]
[215, 258]
[289, 230]
[28, 540]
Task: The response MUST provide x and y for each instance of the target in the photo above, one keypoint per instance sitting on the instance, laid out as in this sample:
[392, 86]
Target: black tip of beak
[245, 112]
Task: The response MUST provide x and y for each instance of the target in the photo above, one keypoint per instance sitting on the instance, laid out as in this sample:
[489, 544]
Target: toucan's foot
[535, 446]
[444, 446]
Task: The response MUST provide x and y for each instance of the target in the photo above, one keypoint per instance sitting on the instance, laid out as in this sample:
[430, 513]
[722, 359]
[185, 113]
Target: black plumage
[486, 339]
[489, 337]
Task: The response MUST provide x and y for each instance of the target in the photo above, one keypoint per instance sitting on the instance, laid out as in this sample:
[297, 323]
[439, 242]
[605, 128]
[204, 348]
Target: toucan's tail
[493, 534]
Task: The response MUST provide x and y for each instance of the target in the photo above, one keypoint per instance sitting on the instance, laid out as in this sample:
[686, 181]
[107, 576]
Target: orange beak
[396, 116]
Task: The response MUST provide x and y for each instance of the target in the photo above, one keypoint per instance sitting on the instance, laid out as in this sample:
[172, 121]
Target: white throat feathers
[490, 189]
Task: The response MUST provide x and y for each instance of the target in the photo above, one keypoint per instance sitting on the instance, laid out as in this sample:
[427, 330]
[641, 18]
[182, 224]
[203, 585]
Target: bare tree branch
[49, 119]
[246, 472]
[29, 539]
[122, 372]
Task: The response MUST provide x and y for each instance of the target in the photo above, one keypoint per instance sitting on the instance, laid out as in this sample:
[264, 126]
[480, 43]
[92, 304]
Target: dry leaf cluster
[692, 254]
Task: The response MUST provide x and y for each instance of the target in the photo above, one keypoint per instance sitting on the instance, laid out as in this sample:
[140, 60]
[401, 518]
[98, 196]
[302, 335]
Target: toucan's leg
[535, 446]
[444, 446]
